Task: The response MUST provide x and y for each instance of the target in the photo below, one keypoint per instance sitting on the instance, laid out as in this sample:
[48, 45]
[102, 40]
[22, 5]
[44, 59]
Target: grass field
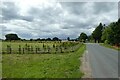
[42, 65]
[109, 46]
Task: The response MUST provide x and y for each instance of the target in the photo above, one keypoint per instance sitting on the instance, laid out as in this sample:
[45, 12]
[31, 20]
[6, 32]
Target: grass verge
[109, 46]
[42, 65]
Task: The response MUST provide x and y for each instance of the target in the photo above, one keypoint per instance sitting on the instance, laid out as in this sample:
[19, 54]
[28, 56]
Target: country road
[103, 61]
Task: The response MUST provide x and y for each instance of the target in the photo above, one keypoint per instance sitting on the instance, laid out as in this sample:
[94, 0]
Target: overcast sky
[43, 19]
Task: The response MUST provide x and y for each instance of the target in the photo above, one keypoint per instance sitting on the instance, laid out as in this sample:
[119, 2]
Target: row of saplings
[55, 48]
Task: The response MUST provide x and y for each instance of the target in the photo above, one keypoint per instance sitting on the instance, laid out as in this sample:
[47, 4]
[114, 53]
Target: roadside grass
[65, 65]
[109, 46]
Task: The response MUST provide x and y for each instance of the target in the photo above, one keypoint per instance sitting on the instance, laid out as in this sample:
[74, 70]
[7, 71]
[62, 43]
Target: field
[52, 64]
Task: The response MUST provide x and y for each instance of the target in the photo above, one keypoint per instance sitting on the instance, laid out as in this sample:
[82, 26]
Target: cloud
[10, 11]
[35, 19]
[104, 7]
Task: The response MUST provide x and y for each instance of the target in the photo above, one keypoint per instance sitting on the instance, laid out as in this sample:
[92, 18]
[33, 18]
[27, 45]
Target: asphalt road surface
[103, 61]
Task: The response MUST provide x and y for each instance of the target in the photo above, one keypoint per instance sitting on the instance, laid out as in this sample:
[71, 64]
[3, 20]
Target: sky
[42, 18]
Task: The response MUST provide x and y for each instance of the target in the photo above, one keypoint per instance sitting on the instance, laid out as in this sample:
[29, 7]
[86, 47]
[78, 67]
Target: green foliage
[106, 42]
[114, 36]
[12, 37]
[105, 34]
[90, 38]
[97, 33]
[56, 39]
[83, 37]
[112, 33]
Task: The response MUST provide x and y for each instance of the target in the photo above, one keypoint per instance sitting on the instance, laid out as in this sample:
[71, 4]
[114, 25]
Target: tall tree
[97, 33]
[83, 37]
[114, 36]
[111, 33]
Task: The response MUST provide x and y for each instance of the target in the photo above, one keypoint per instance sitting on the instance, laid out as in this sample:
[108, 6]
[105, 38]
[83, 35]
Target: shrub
[106, 42]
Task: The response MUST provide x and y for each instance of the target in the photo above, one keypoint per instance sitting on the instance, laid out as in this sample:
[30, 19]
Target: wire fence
[30, 49]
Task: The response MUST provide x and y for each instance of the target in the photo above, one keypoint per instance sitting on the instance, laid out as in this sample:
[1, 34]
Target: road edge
[85, 66]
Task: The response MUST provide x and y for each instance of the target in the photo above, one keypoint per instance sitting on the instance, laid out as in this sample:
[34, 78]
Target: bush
[106, 42]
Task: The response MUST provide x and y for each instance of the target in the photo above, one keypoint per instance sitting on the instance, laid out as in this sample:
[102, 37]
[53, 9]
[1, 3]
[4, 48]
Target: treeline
[47, 39]
[10, 37]
[109, 34]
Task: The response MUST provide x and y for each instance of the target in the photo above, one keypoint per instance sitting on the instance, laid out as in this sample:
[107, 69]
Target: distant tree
[77, 39]
[31, 39]
[56, 39]
[83, 37]
[12, 37]
[68, 38]
[23, 40]
[43, 39]
[97, 33]
[38, 39]
[90, 38]
[48, 39]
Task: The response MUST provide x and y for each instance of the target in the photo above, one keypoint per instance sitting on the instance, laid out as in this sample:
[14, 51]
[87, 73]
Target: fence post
[36, 50]
[48, 50]
[39, 49]
[23, 50]
[31, 49]
[10, 50]
[26, 46]
[7, 48]
[56, 50]
[28, 49]
[19, 49]
[61, 49]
